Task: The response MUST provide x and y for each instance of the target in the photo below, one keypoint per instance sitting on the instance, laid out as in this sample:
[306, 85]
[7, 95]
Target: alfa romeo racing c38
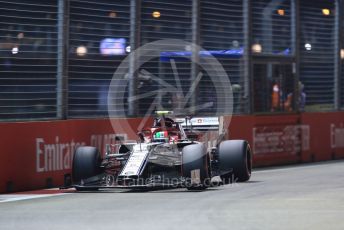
[169, 153]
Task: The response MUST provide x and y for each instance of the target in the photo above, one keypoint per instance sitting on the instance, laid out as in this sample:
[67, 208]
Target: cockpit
[164, 130]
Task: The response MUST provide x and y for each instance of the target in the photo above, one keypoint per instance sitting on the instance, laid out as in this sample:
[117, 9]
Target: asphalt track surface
[295, 197]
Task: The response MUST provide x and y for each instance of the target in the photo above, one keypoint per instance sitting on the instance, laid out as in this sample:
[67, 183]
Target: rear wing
[200, 123]
[209, 130]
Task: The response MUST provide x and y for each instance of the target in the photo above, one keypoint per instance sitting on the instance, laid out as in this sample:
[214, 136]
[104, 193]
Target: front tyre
[86, 164]
[235, 159]
[195, 167]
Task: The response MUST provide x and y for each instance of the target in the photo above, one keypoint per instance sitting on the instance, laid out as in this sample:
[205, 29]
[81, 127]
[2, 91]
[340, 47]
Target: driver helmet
[161, 136]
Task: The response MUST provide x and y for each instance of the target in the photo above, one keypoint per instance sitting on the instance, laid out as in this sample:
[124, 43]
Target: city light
[15, 50]
[112, 14]
[308, 46]
[281, 12]
[81, 51]
[188, 48]
[342, 53]
[257, 48]
[156, 14]
[128, 49]
[235, 44]
[326, 12]
[112, 46]
[20, 35]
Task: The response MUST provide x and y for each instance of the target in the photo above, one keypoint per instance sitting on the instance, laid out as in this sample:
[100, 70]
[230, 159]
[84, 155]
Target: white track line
[18, 197]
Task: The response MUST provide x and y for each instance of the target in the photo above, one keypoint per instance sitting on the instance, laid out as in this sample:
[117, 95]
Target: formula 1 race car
[167, 154]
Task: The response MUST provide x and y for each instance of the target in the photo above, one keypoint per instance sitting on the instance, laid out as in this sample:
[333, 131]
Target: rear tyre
[195, 167]
[86, 164]
[235, 158]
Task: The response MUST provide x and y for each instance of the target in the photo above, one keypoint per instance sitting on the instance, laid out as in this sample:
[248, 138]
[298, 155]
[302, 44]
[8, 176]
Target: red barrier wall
[270, 137]
[327, 136]
[36, 154]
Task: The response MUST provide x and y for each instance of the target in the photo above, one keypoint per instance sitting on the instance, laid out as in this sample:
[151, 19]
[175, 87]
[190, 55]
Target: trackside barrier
[274, 139]
[39, 154]
[326, 136]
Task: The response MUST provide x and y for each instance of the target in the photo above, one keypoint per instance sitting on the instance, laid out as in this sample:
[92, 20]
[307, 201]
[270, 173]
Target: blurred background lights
[112, 14]
[342, 53]
[281, 12]
[128, 49]
[257, 48]
[308, 46]
[235, 44]
[15, 50]
[81, 51]
[156, 14]
[112, 46]
[20, 35]
[326, 11]
[188, 48]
